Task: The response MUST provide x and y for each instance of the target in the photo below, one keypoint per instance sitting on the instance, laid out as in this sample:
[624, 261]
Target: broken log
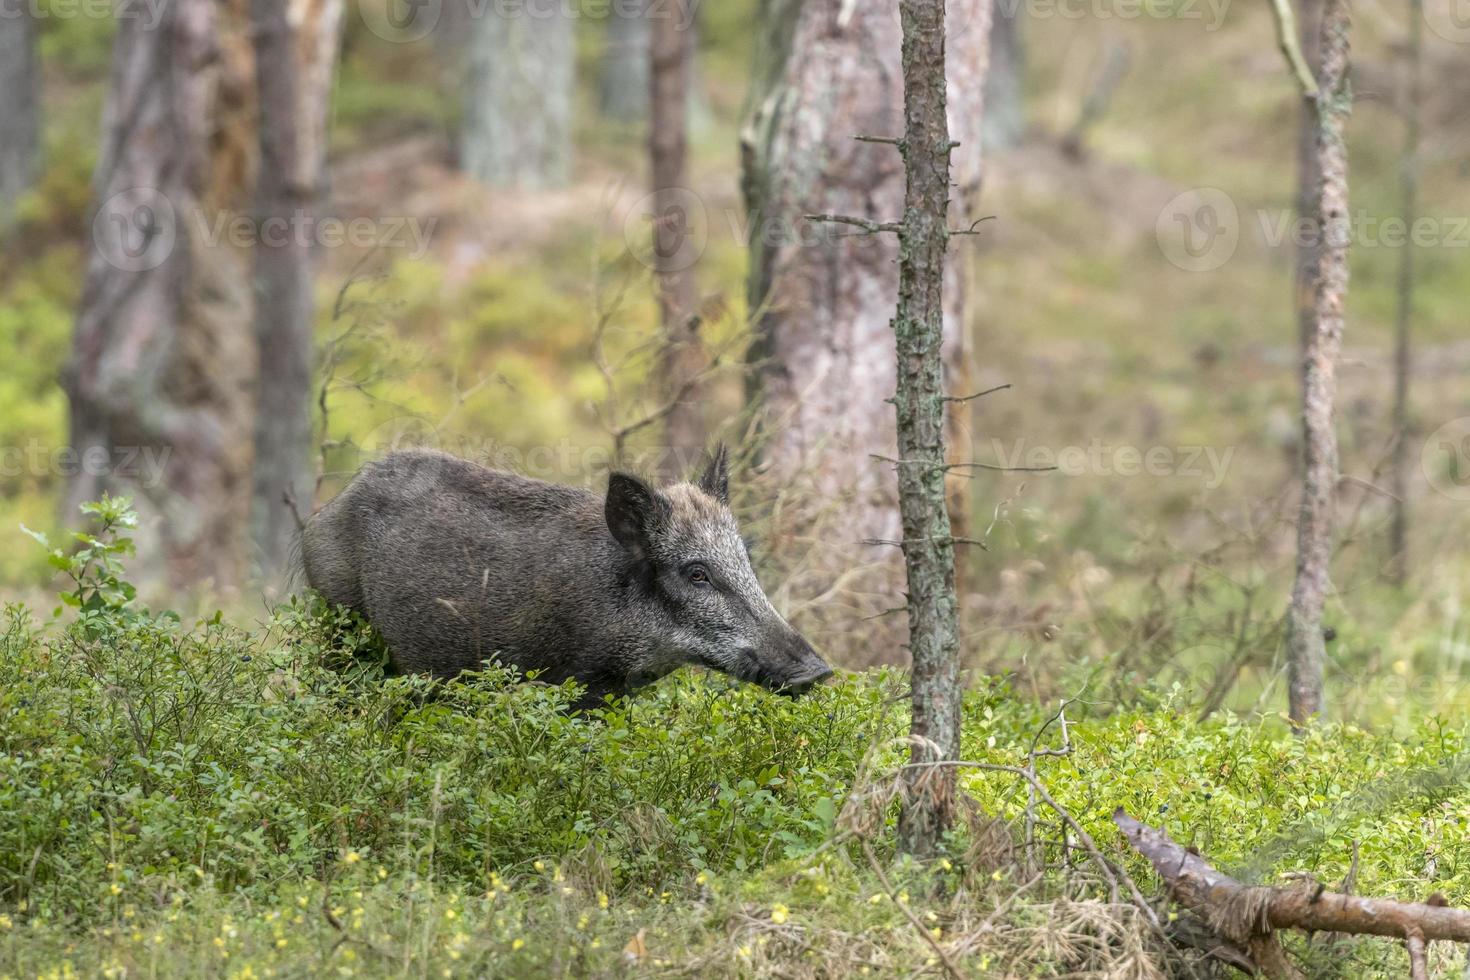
[1249, 914]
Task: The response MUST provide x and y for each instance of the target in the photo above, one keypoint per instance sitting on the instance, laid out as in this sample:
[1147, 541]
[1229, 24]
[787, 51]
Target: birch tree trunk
[1306, 650]
[682, 359]
[295, 59]
[918, 325]
[828, 71]
[517, 126]
[1409, 205]
[162, 361]
[20, 129]
[623, 86]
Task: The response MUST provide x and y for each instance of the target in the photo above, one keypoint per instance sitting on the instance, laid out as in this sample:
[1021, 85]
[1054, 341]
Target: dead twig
[949, 966]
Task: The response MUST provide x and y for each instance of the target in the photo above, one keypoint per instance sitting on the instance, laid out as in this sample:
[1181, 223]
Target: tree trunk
[918, 327]
[1306, 650]
[517, 124]
[828, 71]
[623, 87]
[1005, 81]
[294, 68]
[682, 359]
[1308, 176]
[20, 129]
[1409, 191]
[161, 361]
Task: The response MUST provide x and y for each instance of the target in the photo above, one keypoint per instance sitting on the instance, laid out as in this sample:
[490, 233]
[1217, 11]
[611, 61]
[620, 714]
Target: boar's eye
[697, 574]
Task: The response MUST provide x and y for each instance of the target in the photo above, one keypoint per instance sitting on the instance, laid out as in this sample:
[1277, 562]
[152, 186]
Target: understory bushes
[204, 799]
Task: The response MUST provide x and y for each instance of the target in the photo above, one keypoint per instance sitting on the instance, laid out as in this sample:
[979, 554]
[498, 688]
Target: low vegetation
[202, 799]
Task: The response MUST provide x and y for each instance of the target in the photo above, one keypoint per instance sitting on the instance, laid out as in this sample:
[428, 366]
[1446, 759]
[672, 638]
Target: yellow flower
[115, 888]
[539, 865]
[517, 944]
[450, 914]
[779, 913]
[280, 944]
[5, 922]
[701, 878]
[602, 900]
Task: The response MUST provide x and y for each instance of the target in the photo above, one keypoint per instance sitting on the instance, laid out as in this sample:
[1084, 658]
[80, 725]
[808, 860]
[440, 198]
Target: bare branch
[1286, 39]
[890, 140]
[962, 466]
[971, 230]
[979, 394]
[867, 225]
[1242, 913]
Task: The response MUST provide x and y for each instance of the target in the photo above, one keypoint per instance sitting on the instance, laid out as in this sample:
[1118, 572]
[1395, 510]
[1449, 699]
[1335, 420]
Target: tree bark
[161, 361]
[20, 128]
[1306, 650]
[828, 71]
[623, 87]
[1409, 205]
[682, 359]
[517, 125]
[918, 327]
[294, 60]
[1308, 175]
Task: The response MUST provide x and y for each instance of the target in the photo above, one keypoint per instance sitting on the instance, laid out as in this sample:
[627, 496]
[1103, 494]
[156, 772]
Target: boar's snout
[803, 670]
[799, 686]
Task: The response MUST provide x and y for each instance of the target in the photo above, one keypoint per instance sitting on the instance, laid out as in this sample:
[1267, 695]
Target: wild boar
[456, 564]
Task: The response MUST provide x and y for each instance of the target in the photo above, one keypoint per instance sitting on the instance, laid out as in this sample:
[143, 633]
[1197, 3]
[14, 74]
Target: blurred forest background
[488, 287]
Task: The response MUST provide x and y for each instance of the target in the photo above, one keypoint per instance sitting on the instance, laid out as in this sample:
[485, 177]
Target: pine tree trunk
[1306, 650]
[295, 60]
[623, 85]
[20, 129]
[828, 71]
[1409, 191]
[682, 359]
[918, 326]
[517, 124]
[1308, 176]
[162, 361]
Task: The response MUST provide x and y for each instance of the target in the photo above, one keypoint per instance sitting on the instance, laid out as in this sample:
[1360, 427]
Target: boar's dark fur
[456, 564]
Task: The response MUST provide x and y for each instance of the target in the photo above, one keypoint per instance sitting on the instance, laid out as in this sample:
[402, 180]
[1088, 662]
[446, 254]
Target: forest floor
[208, 799]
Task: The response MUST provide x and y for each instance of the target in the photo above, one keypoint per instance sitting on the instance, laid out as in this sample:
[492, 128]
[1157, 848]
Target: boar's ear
[715, 480]
[635, 512]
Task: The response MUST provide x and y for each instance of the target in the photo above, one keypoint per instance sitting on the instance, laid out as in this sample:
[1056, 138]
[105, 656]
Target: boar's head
[692, 568]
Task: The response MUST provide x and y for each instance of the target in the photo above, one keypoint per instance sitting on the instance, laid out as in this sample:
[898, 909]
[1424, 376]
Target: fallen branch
[1249, 915]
